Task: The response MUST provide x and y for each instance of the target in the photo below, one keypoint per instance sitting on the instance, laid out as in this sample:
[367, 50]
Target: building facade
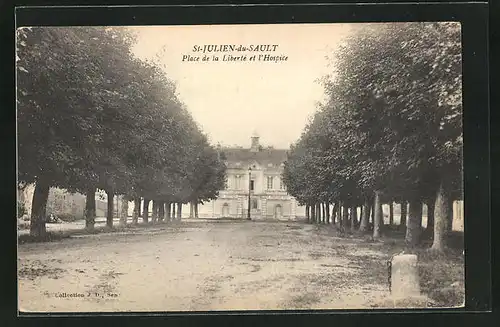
[256, 171]
[62, 202]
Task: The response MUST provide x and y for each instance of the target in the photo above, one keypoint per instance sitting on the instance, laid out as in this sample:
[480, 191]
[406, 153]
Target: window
[254, 204]
[237, 182]
[282, 185]
[270, 182]
[252, 185]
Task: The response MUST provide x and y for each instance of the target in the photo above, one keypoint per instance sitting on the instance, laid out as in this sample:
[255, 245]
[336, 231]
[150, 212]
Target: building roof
[264, 157]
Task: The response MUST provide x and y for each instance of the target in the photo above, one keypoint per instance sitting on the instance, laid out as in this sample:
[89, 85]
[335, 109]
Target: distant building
[268, 196]
[61, 202]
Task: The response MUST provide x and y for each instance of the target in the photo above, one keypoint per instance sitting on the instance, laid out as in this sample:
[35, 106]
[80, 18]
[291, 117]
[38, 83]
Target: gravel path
[201, 266]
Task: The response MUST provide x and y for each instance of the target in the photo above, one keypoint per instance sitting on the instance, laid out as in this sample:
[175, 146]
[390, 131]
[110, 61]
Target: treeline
[92, 116]
[389, 132]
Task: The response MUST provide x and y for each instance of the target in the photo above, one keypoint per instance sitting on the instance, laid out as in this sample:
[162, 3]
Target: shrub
[67, 217]
[23, 225]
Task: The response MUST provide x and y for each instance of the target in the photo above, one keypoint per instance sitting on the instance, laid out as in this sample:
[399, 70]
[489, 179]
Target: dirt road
[202, 266]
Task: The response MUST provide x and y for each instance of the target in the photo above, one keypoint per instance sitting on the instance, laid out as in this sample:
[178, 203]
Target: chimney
[255, 143]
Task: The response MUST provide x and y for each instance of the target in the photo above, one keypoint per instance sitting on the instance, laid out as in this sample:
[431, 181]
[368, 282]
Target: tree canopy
[93, 116]
[392, 119]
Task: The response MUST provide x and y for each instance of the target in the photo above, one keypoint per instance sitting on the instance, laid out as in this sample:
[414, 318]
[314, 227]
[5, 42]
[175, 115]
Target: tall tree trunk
[173, 211]
[90, 209]
[39, 209]
[154, 216]
[165, 209]
[318, 213]
[372, 214]
[391, 213]
[161, 211]
[124, 210]
[111, 208]
[313, 213]
[354, 218]
[137, 211]
[307, 213]
[365, 216]
[414, 223]
[378, 216]
[191, 210]
[179, 211]
[334, 213]
[196, 209]
[327, 213]
[442, 218]
[145, 210]
[339, 213]
[168, 210]
[403, 213]
[429, 229]
[345, 217]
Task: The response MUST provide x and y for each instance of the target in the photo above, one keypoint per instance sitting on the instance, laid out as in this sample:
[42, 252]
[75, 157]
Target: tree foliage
[92, 116]
[392, 119]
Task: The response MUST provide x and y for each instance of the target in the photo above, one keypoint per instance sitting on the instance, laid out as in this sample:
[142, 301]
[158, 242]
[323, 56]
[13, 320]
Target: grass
[442, 277]
[441, 273]
[60, 235]
[48, 237]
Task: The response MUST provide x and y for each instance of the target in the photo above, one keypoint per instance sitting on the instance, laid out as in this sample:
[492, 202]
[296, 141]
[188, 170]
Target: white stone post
[404, 276]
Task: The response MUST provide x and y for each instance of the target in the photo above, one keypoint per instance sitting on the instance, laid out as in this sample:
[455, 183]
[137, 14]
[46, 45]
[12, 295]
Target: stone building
[61, 202]
[257, 170]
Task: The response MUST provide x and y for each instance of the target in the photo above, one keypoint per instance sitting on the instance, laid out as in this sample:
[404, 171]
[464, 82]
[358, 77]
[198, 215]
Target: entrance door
[225, 210]
[277, 211]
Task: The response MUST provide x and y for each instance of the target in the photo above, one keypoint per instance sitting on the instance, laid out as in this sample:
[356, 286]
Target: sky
[233, 100]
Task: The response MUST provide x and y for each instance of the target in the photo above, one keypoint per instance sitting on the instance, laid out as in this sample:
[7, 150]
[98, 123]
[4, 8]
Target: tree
[366, 142]
[398, 75]
[111, 122]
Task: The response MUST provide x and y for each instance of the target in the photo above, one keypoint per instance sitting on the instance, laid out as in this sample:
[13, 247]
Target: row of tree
[93, 116]
[390, 130]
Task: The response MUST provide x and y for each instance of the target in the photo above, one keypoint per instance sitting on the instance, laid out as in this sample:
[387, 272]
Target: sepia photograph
[202, 168]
